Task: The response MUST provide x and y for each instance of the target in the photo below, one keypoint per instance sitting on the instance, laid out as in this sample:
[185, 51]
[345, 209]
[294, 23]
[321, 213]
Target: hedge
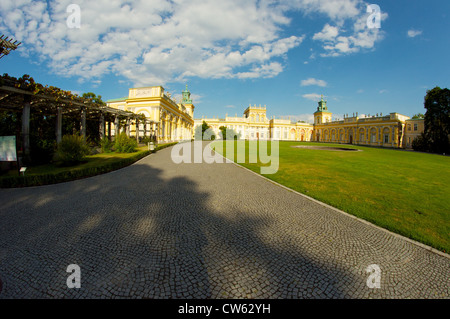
[46, 179]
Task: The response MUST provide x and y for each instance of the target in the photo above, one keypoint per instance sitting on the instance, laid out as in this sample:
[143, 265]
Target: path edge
[412, 241]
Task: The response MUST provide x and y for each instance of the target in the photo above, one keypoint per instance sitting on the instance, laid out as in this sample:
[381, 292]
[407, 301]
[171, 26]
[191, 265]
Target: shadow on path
[143, 232]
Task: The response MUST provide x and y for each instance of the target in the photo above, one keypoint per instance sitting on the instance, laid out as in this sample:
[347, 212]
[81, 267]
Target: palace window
[416, 127]
[409, 127]
[386, 138]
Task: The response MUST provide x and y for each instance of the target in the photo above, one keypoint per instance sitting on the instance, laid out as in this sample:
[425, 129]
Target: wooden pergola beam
[7, 45]
[52, 102]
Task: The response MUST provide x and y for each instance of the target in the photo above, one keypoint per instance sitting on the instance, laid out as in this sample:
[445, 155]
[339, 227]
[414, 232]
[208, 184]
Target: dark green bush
[42, 150]
[420, 144]
[145, 140]
[71, 150]
[125, 144]
[106, 145]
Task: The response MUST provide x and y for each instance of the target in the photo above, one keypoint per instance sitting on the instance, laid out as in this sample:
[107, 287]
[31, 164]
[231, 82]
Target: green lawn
[405, 192]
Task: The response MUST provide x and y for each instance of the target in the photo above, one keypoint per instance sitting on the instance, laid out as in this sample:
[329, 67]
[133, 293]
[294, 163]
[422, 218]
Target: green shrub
[420, 143]
[145, 140]
[125, 144]
[106, 145]
[71, 150]
[42, 150]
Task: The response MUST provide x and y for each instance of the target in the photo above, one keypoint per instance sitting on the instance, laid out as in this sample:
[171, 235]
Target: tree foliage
[228, 133]
[418, 116]
[204, 132]
[437, 121]
[92, 97]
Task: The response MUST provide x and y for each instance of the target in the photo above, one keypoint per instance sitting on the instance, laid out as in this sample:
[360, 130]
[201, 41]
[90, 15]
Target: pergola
[7, 45]
[24, 101]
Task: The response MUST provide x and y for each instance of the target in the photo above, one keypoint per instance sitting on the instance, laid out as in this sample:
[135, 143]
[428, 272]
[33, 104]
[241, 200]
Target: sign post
[8, 150]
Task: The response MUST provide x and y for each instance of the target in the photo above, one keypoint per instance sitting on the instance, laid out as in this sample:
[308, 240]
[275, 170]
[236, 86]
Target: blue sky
[282, 54]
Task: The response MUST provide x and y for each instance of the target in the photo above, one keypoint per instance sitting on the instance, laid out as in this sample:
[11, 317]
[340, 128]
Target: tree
[418, 116]
[94, 98]
[437, 120]
[228, 133]
[204, 132]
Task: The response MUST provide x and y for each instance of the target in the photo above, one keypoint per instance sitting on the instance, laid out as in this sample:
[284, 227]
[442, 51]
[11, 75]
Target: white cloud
[335, 9]
[312, 81]
[328, 33]
[413, 33]
[312, 96]
[308, 118]
[152, 42]
[265, 71]
[351, 36]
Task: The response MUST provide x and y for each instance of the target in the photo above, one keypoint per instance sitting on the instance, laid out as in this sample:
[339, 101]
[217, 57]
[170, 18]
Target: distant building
[171, 121]
[255, 125]
[393, 130]
[414, 127]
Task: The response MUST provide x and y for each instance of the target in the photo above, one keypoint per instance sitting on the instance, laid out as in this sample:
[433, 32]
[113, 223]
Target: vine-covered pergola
[25, 96]
[7, 45]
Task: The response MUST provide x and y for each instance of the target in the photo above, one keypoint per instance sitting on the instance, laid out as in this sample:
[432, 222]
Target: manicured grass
[405, 192]
[93, 165]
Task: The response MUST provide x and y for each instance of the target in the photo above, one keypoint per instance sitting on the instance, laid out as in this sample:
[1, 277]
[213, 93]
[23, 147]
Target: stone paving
[162, 230]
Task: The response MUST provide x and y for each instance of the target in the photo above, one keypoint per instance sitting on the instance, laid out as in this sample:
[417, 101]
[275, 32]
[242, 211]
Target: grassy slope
[406, 192]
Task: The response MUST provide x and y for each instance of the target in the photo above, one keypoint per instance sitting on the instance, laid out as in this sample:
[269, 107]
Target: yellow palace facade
[166, 120]
[379, 130]
[255, 125]
[170, 121]
[393, 130]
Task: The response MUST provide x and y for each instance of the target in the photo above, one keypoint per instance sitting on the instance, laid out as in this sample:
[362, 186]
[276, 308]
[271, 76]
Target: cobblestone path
[162, 230]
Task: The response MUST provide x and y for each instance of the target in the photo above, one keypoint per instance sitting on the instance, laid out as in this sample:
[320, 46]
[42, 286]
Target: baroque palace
[166, 120]
[169, 121]
[393, 130]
